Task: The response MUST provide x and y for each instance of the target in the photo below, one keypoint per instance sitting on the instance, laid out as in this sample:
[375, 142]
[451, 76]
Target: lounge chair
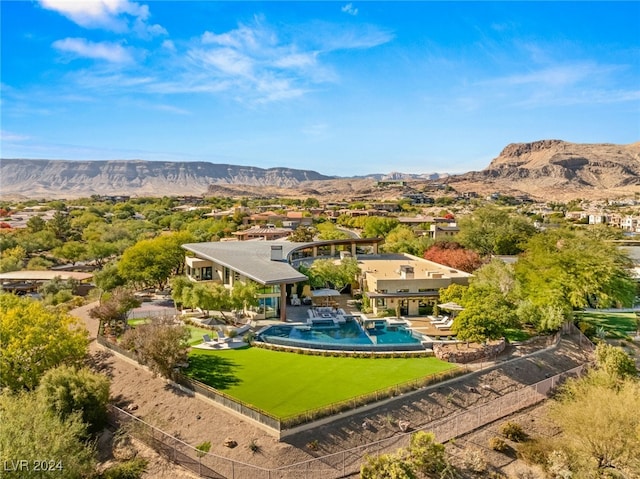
[207, 340]
[442, 320]
[222, 338]
[446, 325]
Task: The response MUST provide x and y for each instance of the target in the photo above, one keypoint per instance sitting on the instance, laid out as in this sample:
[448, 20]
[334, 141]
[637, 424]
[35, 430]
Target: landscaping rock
[230, 443]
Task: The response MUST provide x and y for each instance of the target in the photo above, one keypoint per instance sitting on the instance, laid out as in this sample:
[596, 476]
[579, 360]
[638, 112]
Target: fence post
[344, 466]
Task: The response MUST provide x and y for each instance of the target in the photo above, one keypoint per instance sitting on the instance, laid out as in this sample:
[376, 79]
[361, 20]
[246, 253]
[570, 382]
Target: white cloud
[169, 45]
[348, 8]
[114, 15]
[80, 47]
[9, 136]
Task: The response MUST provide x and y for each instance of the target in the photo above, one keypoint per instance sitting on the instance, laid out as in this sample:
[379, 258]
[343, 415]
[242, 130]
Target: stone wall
[461, 353]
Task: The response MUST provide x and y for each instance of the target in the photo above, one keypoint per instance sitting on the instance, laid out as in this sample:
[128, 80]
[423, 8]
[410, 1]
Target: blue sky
[343, 88]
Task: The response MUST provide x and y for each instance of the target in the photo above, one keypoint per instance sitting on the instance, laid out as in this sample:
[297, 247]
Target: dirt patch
[195, 421]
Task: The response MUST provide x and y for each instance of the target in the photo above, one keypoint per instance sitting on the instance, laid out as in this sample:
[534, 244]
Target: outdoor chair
[446, 325]
[222, 338]
[207, 340]
[442, 320]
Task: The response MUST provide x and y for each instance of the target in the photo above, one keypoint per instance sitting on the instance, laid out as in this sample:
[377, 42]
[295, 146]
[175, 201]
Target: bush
[534, 452]
[131, 469]
[498, 444]
[513, 431]
[203, 448]
[473, 460]
[587, 329]
[67, 390]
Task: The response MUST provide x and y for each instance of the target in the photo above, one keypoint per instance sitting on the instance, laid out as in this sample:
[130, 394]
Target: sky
[341, 88]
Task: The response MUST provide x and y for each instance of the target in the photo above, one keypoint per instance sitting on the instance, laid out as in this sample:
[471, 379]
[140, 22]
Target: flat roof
[45, 275]
[387, 266]
[252, 259]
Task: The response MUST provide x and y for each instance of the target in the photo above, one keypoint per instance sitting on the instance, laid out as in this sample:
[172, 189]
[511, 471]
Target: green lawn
[618, 325]
[197, 333]
[287, 383]
[514, 335]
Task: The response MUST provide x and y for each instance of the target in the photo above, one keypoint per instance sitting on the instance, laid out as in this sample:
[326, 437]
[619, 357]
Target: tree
[100, 251]
[244, 295]
[490, 230]
[423, 458]
[336, 274]
[112, 312]
[377, 227]
[109, 278]
[600, 425]
[67, 391]
[302, 234]
[29, 431]
[455, 255]
[402, 239]
[60, 225]
[571, 270]
[72, 251]
[34, 339]
[387, 466]
[329, 231]
[35, 224]
[151, 262]
[615, 362]
[486, 315]
[12, 259]
[160, 344]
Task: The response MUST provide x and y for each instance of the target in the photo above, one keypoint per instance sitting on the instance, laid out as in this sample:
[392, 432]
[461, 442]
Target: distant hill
[558, 169]
[546, 169]
[69, 179]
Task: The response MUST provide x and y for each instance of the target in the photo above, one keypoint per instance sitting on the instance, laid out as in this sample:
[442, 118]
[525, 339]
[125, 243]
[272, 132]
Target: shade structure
[451, 306]
[324, 293]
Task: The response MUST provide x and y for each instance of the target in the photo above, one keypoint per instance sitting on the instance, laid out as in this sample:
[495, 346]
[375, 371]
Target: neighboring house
[438, 231]
[396, 280]
[405, 283]
[268, 233]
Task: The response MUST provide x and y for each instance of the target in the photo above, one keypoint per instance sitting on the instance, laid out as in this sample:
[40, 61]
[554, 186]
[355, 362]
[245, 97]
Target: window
[404, 290]
[381, 302]
[207, 273]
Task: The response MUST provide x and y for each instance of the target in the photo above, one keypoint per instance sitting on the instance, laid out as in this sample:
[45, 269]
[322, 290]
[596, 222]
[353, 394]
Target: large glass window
[207, 273]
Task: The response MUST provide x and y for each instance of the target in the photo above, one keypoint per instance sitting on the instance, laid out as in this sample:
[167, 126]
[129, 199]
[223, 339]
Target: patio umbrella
[325, 293]
[451, 306]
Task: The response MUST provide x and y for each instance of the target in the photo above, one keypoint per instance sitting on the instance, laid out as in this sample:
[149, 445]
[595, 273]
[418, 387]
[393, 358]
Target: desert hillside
[556, 169]
[72, 179]
[545, 170]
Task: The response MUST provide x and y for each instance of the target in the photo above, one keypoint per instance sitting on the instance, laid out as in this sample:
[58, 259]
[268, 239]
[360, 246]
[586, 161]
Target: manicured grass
[617, 325]
[514, 335]
[287, 383]
[197, 333]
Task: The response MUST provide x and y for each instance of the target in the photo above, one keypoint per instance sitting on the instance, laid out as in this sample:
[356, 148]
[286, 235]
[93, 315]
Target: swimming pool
[371, 335]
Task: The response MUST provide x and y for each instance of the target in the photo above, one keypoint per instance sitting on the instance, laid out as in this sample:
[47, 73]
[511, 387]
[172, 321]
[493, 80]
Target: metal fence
[344, 463]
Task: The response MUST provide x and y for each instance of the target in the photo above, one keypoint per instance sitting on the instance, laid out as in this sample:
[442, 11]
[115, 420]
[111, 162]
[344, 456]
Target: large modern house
[397, 281]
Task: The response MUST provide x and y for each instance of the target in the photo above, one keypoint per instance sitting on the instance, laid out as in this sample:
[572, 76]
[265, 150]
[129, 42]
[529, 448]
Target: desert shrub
[558, 465]
[67, 390]
[131, 469]
[253, 446]
[473, 460]
[513, 431]
[498, 444]
[587, 329]
[203, 448]
[534, 452]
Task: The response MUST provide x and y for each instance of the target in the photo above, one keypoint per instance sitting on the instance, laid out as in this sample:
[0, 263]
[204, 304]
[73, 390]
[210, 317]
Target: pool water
[350, 333]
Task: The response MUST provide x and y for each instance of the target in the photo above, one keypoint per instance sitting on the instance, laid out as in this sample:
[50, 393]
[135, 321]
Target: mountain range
[546, 169]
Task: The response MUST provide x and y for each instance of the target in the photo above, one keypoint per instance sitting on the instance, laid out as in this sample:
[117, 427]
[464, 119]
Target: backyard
[286, 384]
[614, 325]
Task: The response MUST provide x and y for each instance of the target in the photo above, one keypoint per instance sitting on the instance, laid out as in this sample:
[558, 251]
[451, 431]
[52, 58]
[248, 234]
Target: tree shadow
[214, 371]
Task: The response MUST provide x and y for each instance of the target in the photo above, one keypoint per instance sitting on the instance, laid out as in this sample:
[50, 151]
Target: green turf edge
[286, 384]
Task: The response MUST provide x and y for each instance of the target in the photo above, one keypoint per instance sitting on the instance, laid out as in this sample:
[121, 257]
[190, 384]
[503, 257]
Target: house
[405, 283]
[268, 232]
[390, 281]
[271, 264]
